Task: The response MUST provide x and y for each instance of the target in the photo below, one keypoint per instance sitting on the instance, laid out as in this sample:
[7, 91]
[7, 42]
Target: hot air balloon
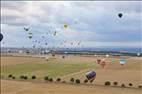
[98, 61]
[120, 15]
[138, 54]
[26, 29]
[30, 35]
[1, 37]
[55, 33]
[103, 63]
[122, 61]
[65, 26]
[107, 55]
[91, 75]
[46, 43]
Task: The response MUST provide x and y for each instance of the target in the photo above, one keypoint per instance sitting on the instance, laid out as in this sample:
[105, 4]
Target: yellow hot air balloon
[65, 26]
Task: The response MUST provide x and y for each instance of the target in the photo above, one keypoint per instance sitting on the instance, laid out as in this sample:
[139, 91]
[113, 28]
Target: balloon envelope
[91, 75]
[122, 61]
[120, 15]
[138, 54]
[1, 37]
[103, 63]
[65, 25]
[98, 61]
[26, 29]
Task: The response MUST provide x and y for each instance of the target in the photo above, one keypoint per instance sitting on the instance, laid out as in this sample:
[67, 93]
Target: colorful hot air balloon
[1, 37]
[91, 75]
[120, 15]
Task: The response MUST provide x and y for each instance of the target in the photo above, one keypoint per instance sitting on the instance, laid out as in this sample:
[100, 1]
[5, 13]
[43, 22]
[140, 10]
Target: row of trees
[108, 83]
[72, 80]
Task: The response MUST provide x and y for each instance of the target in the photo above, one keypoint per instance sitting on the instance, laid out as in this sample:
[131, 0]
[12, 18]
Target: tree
[33, 77]
[46, 78]
[22, 77]
[72, 80]
[25, 77]
[130, 84]
[107, 83]
[10, 75]
[58, 79]
[85, 81]
[13, 77]
[140, 86]
[51, 80]
[115, 83]
[77, 81]
[123, 85]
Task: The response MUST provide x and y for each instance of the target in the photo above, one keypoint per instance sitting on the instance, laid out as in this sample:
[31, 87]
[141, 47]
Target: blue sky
[92, 23]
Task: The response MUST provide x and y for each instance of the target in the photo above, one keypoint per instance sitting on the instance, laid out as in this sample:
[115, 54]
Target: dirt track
[16, 87]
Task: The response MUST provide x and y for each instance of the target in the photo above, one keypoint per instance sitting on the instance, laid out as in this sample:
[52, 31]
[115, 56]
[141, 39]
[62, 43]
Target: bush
[33, 77]
[25, 77]
[58, 79]
[13, 77]
[123, 85]
[130, 84]
[85, 81]
[46, 78]
[72, 80]
[91, 81]
[140, 86]
[10, 75]
[115, 83]
[22, 77]
[107, 83]
[63, 81]
[51, 80]
[77, 81]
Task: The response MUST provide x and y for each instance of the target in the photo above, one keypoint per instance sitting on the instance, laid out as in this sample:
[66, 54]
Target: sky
[90, 23]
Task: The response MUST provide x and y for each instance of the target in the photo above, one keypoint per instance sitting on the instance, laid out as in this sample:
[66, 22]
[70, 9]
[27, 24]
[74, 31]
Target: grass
[41, 70]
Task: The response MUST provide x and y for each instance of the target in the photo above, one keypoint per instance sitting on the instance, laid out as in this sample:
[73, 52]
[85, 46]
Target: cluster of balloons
[30, 34]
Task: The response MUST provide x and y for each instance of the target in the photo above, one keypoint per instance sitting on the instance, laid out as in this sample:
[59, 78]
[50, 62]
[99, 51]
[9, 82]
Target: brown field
[131, 72]
[15, 87]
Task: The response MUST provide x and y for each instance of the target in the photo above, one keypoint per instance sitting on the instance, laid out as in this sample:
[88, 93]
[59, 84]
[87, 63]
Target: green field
[40, 70]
